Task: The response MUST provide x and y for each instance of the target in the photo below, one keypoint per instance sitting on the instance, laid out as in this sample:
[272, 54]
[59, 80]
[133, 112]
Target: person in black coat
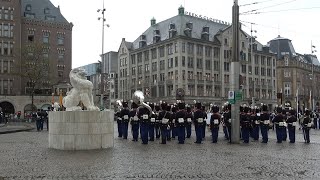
[279, 121]
[158, 121]
[152, 123]
[198, 122]
[134, 121]
[164, 117]
[292, 123]
[245, 122]
[180, 122]
[124, 115]
[189, 119]
[307, 125]
[214, 123]
[264, 123]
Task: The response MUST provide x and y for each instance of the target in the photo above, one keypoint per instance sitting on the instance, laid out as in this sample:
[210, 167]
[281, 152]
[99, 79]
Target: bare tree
[34, 68]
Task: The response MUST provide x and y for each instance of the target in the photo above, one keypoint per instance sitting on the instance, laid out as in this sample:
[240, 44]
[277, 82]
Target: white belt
[157, 120]
[145, 117]
[200, 120]
[257, 122]
[153, 120]
[135, 118]
[229, 120]
[266, 121]
[215, 121]
[119, 119]
[125, 117]
[180, 120]
[165, 121]
[294, 124]
[309, 125]
[281, 123]
[189, 120]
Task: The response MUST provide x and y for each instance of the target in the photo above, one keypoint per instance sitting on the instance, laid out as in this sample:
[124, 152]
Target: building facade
[189, 58]
[24, 23]
[298, 76]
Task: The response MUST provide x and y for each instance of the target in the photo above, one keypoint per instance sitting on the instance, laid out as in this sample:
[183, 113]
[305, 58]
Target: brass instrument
[138, 98]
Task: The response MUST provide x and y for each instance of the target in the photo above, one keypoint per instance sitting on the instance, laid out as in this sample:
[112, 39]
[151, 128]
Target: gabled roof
[42, 10]
[180, 22]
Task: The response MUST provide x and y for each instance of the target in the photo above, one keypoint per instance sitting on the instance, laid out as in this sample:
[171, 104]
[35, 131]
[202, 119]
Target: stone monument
[82, 126]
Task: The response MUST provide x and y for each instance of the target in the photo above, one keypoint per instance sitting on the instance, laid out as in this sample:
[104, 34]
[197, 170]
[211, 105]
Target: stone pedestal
[81, 130]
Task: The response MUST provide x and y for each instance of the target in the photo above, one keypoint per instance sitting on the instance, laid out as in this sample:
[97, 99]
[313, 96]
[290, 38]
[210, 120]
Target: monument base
[81, 130]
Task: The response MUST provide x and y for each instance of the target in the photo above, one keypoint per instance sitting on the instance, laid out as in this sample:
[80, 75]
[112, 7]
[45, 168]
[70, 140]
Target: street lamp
[252, 62]
[313, 50]
[102, 56]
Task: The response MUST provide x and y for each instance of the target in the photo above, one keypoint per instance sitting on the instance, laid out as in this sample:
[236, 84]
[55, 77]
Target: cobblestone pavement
[25, 155]
[15, 127]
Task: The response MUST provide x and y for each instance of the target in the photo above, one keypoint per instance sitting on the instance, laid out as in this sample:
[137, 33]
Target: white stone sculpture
[81, 92]
[56, 106]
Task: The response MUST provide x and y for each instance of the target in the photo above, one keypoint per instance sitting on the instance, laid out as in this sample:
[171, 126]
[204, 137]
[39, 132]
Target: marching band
[168, 121]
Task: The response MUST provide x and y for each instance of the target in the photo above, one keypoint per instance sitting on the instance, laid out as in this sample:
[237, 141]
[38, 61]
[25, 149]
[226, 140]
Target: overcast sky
[130, 18]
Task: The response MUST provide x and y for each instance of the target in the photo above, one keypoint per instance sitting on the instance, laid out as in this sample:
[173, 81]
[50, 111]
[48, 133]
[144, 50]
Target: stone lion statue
[81, 92]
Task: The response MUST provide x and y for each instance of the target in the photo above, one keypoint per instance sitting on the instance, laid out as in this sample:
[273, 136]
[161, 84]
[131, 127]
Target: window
[60, 39]
[208, 77]
[146, 67]
[146, 55]
[5, 48]
[183, 61]
[208, 64]
[190, 75]
[256, 60]
[45, 37]
[243, 46]
[263, 60]
[226, 78]
[286, 61]
[216, 52]
[216, 65]
[287, 73]
[190, 48]
[154, 53]
[269, 72]
[199, 76]
[169, 49]
[61, 53]
[5, 30]
[226, 41]
[154, 79]
[133, 71]
[216, 77]
[199, 50]
[154, 66]
[162, 78]
[190, 62]
[176, 47]
[268, 61]
[263, 71]
[140, 69]
[133, 59]
[139, 57]
[226, 66]
[161, 51]
[199, 63]
[256, 70]
[183, 49]
[208, 50]
[287, 88]
[176, 61]
[183, 75]
[162, 65]
[244, 68]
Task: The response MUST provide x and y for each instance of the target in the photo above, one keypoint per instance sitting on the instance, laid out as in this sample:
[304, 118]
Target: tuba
[119, 104]
[138, 98]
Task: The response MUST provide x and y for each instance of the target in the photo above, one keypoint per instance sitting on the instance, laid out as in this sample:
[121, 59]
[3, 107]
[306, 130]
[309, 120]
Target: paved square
[25, 155]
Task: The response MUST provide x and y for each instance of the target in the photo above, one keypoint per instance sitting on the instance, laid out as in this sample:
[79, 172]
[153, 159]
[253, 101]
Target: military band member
[173, 126]
[256, 118]
[292, 123]
[198, 122]
[245, 124]
[164, 116]
[134, 119]
[144, 115]
[158, 121]
[203, 108]
[180, 122]
[264, 123]
[152, 123]
[189, 119]
[119, 123]
[279, 122]
[307, 125]
[124, 114]
[214, 123]
[227, 120]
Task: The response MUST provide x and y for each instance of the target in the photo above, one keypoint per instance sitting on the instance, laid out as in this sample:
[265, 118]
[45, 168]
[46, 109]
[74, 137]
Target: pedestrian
[134, 120]
[264, 123]
[292, 123]
[119, 123]
[198, 122]
[307, 125]
[245, 122]
[189, 119]
[124, 115]
[152, 123]
[164, 117]
[279, 121]
[180, 122]
[144, 115]
[158, 121]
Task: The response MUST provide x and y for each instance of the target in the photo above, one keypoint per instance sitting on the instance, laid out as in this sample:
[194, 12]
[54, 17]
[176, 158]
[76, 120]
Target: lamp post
[102, 54]
[252, 62]
[313, 50]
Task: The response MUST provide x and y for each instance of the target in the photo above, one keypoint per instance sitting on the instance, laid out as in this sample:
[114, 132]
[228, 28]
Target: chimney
[181, 10]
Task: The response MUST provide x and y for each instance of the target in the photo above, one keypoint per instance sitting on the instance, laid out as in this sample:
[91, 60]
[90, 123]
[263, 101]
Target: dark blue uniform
[189, 119]
[214, 126]
[124, 115]
[152, 126]
[264, 126]
[255, 122]
[144, 116]
[119, 123]
[227, 123]
[245, 126]
[158, 123]
[134, 124]
[306, 124]
[292, 123]
[164, 116]
[198, 124]
[180, 124]
[278, 120]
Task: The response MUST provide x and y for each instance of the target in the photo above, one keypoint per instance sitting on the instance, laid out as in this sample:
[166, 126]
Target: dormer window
[172, 30]
[46, 11]
[28, 7]
[143, 41]
[188, 30]
[156, 36]
[172, 26]
[205, 33]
